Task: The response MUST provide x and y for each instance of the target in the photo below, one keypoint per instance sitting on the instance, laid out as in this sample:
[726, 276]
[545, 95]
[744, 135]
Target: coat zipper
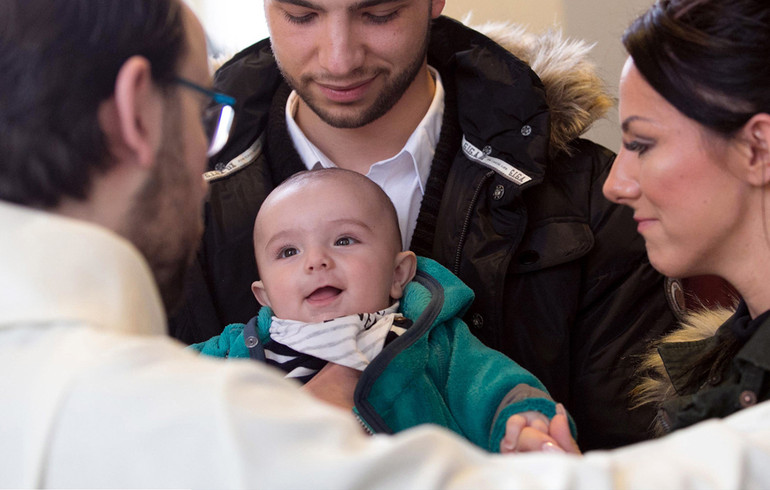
[363, 423]
[467, 221]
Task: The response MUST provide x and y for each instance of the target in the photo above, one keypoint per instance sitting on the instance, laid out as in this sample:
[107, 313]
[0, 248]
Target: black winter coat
[561, 278]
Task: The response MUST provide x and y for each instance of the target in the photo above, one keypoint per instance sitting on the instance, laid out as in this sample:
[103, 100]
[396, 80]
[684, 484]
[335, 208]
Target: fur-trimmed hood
[576, 95]
[655, 386]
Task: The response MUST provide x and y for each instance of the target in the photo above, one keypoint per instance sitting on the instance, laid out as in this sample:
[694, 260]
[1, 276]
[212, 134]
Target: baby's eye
[287, 252]
[344, 241]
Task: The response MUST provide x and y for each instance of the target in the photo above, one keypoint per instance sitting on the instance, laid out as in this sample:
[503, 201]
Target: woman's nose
[622, 184]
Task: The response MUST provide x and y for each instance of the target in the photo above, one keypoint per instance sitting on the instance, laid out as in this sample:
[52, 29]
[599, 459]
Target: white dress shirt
[404, 175]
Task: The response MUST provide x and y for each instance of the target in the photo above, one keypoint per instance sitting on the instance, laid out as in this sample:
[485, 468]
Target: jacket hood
[575, 93]
[654, 384]
[435, 285]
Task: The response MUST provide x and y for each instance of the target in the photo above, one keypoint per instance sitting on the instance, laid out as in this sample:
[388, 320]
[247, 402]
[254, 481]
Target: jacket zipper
[363, 423]
[467, 222]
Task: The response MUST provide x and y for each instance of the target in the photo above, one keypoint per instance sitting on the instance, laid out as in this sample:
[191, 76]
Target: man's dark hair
[58, 61]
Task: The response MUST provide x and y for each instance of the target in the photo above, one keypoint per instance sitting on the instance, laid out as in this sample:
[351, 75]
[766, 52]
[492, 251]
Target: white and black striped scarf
[302, 349]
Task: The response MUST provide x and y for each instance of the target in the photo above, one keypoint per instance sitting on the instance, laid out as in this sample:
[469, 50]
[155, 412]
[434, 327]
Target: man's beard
[160, 222]
[387, 99]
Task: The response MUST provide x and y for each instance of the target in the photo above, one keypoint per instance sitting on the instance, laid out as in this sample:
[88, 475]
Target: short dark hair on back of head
[59, 60]
[708, 58]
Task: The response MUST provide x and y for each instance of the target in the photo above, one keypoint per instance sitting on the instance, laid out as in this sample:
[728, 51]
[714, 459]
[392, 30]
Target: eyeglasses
[217, 118]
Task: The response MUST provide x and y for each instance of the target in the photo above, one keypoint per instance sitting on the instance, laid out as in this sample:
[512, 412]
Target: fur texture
[655, 386]
[575, 93]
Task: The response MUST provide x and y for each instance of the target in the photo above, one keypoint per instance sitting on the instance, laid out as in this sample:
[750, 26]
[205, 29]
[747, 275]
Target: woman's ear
[259, 292]
[757, 133]
[132, 119]
[405, 269]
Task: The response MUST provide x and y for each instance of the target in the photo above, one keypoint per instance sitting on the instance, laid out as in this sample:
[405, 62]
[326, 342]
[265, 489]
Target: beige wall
[537, 15]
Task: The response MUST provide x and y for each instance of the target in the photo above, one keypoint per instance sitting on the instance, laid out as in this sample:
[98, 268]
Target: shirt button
[526, 130]
[251, 341]
[748, 398]
[478, 320]
[498, 193]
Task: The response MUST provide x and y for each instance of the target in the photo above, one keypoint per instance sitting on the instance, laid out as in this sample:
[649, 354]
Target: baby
[377, 330]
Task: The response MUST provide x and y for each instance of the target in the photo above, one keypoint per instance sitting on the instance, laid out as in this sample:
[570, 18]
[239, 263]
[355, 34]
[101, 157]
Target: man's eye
[381, 19]
[344, 241]
[287, 252]
[299, 19]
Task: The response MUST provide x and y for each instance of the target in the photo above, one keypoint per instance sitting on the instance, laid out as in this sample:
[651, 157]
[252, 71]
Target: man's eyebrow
[356, 6]
[301, 3]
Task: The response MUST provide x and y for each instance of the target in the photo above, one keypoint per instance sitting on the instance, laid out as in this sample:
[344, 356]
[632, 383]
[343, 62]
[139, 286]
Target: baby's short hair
[335, 173]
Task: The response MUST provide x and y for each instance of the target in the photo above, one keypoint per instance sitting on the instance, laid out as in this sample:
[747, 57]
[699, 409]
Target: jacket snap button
[748, 398]
[251, 342]
[526, 130]
[478, 320]
[487, 150]
[529, 257]
[498, 193]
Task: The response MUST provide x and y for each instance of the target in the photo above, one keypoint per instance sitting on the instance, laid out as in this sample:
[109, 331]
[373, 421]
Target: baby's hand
[532, 431]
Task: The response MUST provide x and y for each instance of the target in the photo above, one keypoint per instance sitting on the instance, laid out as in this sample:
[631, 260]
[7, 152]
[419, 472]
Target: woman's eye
[287, 252]
[636, 146]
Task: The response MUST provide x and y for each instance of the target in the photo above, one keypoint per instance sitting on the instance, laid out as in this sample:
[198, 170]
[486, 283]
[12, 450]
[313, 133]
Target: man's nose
[339, 49]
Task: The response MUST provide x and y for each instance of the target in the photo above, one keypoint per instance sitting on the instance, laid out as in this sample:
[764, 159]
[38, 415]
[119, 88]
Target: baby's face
[324, 250]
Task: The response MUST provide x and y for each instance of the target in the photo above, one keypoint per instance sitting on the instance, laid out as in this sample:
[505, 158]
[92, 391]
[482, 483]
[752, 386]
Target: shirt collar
[57, 269]
[420, 146]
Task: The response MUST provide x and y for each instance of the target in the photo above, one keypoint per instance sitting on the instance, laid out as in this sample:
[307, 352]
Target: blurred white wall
[235, 24]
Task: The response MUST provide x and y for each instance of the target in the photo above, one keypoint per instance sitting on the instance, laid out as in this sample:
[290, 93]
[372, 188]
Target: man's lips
[346, 93]
[324, 293]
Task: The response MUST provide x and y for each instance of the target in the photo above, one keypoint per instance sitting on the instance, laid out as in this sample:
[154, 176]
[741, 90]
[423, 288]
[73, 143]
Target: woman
[695, 167]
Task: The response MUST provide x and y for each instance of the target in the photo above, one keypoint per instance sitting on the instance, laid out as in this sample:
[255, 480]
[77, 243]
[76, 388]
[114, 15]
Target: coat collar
[60, 270]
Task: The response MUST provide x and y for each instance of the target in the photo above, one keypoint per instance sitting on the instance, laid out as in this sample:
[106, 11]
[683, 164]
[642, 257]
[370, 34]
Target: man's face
[166, 219]
[350, 61]
[325, 249]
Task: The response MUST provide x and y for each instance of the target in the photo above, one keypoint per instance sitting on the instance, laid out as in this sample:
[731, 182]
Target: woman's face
[676, 176]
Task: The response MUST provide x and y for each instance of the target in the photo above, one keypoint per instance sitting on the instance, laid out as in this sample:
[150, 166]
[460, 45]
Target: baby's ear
[405, 269]
[259, 292]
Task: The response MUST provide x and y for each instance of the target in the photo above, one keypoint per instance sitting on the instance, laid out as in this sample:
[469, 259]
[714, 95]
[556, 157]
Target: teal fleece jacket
[436, 372]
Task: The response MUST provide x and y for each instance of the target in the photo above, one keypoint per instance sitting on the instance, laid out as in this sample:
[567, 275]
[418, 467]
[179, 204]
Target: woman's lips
[643, 224]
